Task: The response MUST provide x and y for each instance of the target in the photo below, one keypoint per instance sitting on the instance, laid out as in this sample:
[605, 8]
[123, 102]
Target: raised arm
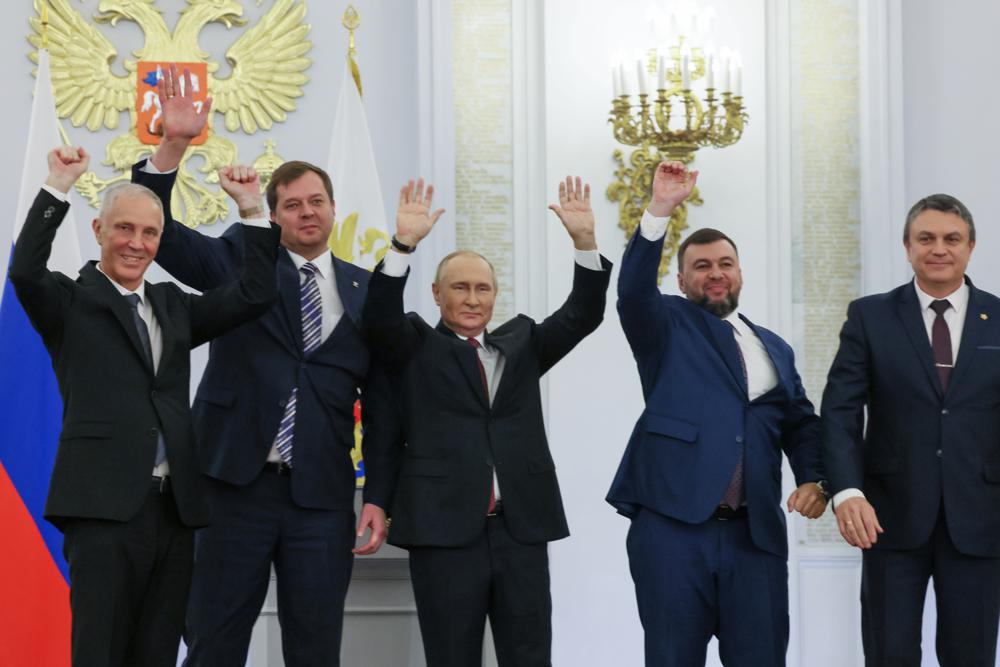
[638, 295]
[203, 262]
[383, 322]
[221, 309]
[37, 289]
[583, 310]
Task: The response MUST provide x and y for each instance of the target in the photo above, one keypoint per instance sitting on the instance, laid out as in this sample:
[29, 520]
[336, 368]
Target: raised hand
[182, 119]
[414, 219]
[242, 184]
[672, 184]
[575, 213]
[66, 165]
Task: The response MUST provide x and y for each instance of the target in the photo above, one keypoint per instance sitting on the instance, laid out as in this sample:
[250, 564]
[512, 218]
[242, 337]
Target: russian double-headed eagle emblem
[267, 63]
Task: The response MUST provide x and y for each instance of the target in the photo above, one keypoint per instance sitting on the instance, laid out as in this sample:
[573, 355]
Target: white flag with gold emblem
[360, 234]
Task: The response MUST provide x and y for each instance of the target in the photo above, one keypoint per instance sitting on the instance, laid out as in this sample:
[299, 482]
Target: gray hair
[464, 253]
[945, 204]
[127, 190]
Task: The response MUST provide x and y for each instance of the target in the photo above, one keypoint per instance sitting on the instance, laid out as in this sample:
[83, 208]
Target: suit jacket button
[152, 432]
[282, 403]
[739, 438]
[939, 453]
[945, 412]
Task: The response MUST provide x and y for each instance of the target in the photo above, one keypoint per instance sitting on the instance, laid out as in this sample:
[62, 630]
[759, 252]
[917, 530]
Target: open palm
[574, 208]
[414, 219]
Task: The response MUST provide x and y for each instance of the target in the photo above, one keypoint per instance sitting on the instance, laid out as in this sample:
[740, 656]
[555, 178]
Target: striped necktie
[311, 307]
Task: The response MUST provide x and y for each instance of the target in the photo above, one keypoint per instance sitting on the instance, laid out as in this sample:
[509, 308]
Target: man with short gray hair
[126, 490]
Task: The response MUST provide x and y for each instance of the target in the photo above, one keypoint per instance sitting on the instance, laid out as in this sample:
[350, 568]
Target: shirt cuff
[61, 196]
[589, 259]
[150, 168]
[257, 222]
[651, 227]
[395, 264]
[846, 494]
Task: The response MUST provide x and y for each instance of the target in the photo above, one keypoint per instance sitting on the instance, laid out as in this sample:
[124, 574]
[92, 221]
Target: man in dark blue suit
[701, 477]
[274, 418]
[924, 359]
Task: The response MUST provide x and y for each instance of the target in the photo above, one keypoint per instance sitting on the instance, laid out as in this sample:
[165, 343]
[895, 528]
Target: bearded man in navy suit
[701, 477]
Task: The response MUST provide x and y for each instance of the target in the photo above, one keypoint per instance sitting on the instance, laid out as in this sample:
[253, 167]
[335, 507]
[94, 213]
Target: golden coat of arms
[267, 64]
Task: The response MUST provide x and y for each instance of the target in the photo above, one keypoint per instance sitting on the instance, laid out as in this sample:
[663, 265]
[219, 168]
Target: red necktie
[474, 344]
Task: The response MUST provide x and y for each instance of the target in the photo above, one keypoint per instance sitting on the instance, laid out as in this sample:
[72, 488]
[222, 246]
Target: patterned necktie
[311, 308]
[941, 342]
[143, 331]
[474, 344]
[734, 495]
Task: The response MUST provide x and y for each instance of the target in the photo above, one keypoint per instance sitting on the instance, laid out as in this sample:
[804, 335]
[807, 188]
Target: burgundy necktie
[474, 344]
[941, 342]
[734, 494]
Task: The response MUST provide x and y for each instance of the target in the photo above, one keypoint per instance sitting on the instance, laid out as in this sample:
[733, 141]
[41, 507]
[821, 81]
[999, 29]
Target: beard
[720, 308]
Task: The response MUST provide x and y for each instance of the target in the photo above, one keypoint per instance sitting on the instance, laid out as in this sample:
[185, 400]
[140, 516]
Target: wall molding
[436, 145]
[883, 205]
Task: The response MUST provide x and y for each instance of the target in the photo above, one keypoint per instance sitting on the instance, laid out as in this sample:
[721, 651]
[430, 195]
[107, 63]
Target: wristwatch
[402, 247]
[824, 488]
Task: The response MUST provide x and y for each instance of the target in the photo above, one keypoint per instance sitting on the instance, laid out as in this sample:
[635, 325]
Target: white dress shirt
[954, 317]
[761, 375]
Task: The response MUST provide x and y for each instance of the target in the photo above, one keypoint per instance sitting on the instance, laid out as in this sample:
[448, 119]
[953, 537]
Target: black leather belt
[278, 468]
[727, 513]
[162, 483]
[497, 510]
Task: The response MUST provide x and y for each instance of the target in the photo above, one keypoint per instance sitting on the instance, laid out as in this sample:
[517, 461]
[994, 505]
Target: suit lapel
[288, 294]
[720, 335]
[157, 301]
[972, 332]
[117, 304]
[349, 290]
[772, 353]
[504, 345]
[908, 311]
[468, 362]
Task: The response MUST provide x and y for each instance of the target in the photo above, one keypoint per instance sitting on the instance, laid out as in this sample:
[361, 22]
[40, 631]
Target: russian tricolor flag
[34, 584]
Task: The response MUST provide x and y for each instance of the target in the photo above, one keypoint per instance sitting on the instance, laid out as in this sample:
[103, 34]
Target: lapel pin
[355, 283]
[984, 316]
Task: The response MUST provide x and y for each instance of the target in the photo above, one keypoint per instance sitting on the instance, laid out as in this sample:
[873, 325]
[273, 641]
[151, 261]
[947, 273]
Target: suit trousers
[693, 581]
[457, 587]
[129, 585]
[893, 588]
[253, 527]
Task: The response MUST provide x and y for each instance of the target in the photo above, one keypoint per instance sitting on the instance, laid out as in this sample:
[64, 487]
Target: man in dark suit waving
[126, 489]
[701, 477]
[477, 500]
[924, 359]
[274, 417]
